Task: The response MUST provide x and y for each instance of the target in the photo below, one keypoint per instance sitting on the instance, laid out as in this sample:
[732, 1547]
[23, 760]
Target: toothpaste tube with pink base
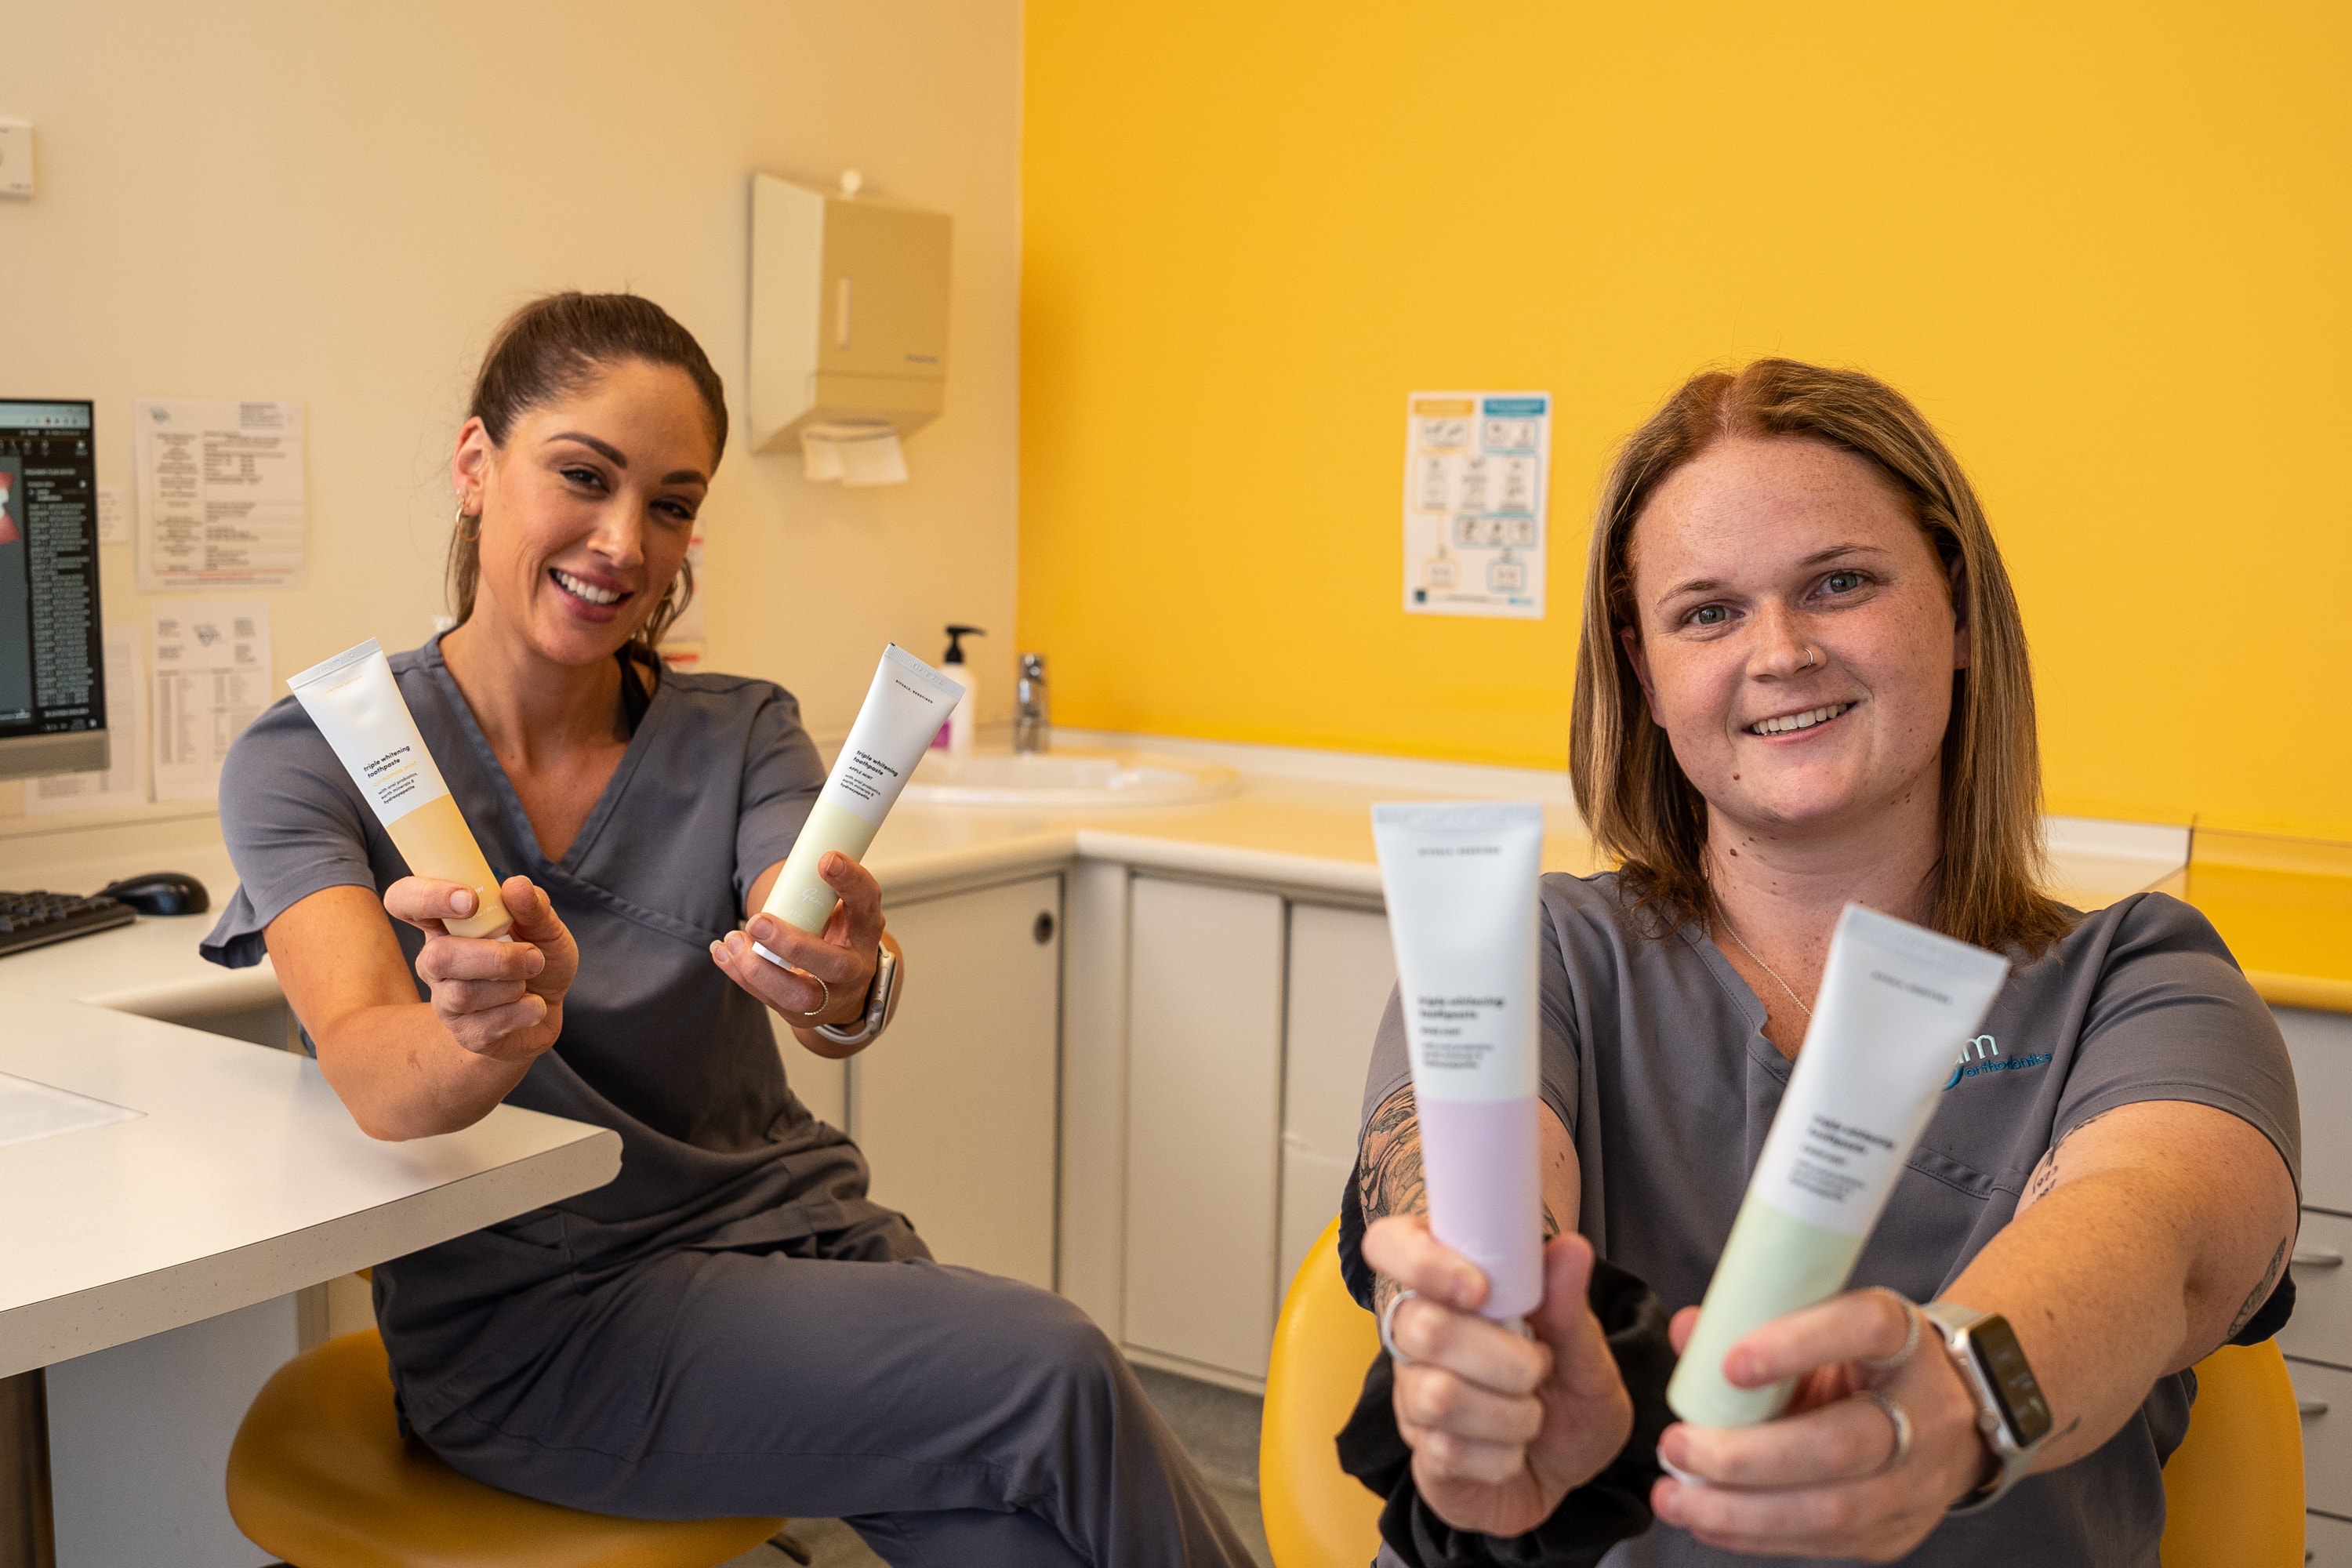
[1460, 880]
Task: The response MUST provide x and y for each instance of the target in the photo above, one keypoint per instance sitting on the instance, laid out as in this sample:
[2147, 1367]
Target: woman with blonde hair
[1803, 683]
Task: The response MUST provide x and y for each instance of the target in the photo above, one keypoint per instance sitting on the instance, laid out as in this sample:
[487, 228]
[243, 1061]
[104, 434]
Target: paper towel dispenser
[849, 311]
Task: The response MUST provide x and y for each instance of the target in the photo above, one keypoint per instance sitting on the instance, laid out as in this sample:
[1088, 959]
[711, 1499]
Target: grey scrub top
[657, 1044]
[1654, 1060]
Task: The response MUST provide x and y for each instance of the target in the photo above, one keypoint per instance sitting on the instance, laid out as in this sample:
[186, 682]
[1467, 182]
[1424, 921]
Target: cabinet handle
[2307, 1408]
[2318, 1260]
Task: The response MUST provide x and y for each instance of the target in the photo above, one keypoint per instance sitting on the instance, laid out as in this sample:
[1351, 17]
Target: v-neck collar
[1760, 1049]
[524, 836]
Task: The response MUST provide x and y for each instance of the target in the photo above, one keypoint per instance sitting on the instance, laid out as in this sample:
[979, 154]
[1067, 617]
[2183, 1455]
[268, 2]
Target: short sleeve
[781, 776]
[2172, 1018]
[295, 825]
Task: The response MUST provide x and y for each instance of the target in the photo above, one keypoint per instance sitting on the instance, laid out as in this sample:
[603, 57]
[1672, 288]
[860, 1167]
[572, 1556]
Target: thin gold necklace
[1768, 969]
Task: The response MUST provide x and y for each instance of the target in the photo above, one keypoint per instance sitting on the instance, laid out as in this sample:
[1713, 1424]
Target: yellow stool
[1317, 1514]
[2233, 1492]
[321, 1476]
[2233, 1489]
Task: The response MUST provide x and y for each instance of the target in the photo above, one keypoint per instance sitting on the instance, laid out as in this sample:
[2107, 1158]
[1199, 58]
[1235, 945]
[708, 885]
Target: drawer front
[2326, 1434]
[2321, 1047]
[2321, 1328]
[2327, 1543]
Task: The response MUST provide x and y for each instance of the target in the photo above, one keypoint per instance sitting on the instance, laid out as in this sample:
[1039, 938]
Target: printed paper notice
[219, 494]
[124, 781]
[1476, 465]
[212, 679]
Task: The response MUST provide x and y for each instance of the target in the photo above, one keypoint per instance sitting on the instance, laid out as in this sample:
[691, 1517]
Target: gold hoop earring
[469, 535]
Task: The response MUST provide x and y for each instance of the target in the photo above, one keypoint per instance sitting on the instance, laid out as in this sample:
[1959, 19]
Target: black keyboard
[38, 919]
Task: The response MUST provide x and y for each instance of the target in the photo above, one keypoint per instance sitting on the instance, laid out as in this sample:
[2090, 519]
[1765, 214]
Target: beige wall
[335, 204]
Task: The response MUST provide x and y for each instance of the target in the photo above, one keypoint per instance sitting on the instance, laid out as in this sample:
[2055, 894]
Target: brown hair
[555, 346]
[1641, 806]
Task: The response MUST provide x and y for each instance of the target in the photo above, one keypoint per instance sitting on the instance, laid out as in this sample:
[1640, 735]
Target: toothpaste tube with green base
[904, 709]
[1896, 1001]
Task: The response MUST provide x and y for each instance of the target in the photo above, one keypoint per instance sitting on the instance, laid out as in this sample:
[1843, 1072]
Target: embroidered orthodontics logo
[1982, 1055]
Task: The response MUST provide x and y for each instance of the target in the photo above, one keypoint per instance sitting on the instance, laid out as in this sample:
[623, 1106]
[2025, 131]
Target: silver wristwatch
[2011, 1412]
[877, 1005]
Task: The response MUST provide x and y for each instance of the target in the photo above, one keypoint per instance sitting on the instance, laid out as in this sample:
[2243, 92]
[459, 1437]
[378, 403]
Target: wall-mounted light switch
[16, 157]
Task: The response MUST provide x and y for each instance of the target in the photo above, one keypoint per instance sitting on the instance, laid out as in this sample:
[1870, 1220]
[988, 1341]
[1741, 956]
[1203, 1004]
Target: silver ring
[1387, 1320]
[1910, 1340]
[1813, 657]
[1902, 1420]
[822, 1006]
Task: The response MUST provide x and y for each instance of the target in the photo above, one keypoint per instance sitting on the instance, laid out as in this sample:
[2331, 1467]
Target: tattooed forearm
[2259, 1294]
[1390, 1161]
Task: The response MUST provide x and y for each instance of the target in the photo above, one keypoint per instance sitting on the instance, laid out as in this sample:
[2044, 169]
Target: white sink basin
[1066, 780]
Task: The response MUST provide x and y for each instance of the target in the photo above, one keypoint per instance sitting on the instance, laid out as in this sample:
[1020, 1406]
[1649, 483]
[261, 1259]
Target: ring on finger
[1910, 1338]
[1901, 1420]
[1388, 1323]
[821, 1006]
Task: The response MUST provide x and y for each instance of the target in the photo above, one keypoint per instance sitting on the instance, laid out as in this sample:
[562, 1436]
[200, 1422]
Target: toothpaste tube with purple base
[1460, 881]
[904, 709]
[1895, 1002]
[357, 706]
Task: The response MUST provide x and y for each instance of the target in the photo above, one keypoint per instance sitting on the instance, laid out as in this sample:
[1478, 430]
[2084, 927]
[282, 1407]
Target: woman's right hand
[1501, 1427]
[502, 1000]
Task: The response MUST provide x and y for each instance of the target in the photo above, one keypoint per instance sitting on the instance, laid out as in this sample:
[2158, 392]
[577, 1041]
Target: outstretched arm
[1501, 1426]
[2146, 1238]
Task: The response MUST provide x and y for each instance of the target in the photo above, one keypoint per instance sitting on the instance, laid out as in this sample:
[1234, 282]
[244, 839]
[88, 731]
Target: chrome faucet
[1032, 728]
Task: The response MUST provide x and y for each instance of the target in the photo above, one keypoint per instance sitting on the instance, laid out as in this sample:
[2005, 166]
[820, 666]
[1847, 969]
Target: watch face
[2013, 1386]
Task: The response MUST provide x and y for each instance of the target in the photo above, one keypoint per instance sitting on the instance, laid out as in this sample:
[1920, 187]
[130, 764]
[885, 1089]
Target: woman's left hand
[830, 974]
[1822, 1479]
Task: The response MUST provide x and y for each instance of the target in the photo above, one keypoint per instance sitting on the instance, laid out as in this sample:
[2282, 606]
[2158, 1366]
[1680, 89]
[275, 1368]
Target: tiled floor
[1217, 1425]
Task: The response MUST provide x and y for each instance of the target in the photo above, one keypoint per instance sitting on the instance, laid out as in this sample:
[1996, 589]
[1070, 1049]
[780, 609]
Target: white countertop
[1301, 822]
[242, 1179]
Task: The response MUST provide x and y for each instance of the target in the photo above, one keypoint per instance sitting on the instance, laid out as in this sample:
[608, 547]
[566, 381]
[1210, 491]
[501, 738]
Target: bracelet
[878, 1006]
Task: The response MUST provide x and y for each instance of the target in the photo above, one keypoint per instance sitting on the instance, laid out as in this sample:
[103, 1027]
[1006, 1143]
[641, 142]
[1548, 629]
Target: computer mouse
[160, 893]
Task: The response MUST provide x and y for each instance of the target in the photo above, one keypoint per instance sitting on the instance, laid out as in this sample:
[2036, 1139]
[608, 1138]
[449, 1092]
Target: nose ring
[1813, 657]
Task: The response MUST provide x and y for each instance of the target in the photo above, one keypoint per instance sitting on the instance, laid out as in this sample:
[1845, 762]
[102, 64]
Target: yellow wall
[2105, 247]
[335, 204]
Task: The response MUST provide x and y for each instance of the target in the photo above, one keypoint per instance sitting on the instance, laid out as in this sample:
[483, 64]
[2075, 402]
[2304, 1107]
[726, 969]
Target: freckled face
[1796, 636]
[587, 510]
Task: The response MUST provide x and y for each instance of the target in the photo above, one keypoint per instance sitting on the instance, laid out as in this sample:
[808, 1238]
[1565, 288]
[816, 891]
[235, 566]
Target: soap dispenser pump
[955, 735]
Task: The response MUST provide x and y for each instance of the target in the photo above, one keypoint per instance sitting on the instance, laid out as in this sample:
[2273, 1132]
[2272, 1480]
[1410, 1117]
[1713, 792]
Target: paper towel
[859, 453]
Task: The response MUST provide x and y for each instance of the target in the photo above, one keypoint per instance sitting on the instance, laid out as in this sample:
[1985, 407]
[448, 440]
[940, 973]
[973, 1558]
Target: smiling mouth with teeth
[1805, 721]
[587, 591]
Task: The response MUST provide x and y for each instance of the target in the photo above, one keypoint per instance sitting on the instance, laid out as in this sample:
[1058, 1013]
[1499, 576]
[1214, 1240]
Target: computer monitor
[52, 663]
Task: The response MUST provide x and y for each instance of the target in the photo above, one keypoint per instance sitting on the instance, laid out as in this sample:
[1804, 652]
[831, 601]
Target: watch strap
[1954, 1320]
[876, 1016]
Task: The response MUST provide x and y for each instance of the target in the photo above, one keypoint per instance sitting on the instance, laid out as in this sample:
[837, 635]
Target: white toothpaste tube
[357, 706]
[1460, 881]
[1896, 1002]
[904, 709]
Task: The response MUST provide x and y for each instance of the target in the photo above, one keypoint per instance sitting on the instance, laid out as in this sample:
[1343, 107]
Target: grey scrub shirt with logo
[717, 1152]
[1654, 1060]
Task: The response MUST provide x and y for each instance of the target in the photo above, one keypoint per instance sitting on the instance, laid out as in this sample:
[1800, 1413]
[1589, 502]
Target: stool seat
[321, 1476]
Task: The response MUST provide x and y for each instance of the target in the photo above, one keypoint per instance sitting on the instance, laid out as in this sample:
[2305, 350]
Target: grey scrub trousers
[1654, 1060]
[729, 1326]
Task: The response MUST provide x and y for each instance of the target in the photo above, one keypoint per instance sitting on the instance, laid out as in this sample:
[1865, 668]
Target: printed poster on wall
[219, 488]
[212, 679]
[1476, 467]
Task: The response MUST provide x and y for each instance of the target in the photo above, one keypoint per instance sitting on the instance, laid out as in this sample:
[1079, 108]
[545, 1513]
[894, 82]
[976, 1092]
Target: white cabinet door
[1341, 971]
[1204, 1090]
[956, 1106]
